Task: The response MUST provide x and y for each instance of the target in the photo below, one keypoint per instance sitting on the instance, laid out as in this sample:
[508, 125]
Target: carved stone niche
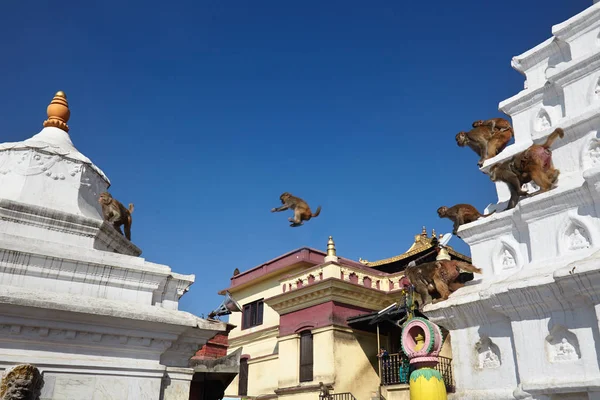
[506, 258]
[21, 382]
[542, 121]
[562, 345]
[488, 354]
[591, 153]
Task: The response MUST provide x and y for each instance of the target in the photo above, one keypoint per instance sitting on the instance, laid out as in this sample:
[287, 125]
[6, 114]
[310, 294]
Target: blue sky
[203, 113]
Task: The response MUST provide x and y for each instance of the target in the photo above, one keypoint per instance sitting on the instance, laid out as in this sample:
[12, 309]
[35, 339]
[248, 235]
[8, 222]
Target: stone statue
[578, 241]
[487, 357]
[21, 382]
[565, 351]
[508, 260]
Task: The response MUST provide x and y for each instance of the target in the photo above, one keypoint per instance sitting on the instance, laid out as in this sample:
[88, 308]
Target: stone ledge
[54, 220]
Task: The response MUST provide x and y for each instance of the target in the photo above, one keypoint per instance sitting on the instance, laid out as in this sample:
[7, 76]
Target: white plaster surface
[538, 299]
[76, 300]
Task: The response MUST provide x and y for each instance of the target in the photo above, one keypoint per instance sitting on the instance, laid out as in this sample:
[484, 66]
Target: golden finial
[433, 233]
[330, 247]
[58, 112]
[424, 232]
[331, 257]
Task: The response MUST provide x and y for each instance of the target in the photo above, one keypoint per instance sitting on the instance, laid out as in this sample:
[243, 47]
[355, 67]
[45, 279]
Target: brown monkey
[534, 164]
[506, 172]
[301, 209]
[461, 214]
[484, 141]
[236, 272]
[443, 275]
[324, 392]
[116, 214]
[493, 123]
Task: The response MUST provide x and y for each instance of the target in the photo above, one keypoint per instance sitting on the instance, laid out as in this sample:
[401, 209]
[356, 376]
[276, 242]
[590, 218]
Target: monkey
[443, 275]
[533, 164]
[301, 209]
[505, 172]
[484, 141]
[115, 213]
[461, 214]
[493, 123]
[236, 272]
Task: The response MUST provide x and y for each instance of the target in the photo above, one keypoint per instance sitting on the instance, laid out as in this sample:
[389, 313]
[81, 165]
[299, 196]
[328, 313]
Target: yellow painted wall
[356, 368]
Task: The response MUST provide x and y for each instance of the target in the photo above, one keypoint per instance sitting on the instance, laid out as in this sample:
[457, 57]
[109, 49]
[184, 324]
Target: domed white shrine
[76, 300]
[527, 328]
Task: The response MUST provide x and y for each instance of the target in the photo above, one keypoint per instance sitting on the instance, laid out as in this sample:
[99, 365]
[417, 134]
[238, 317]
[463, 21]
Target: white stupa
[76, 300]
[528, 327]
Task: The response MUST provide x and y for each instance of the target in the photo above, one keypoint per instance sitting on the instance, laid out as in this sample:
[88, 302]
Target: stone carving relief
[542, 121]
[488, 354]
[21, 382]
[577, 239]
[562, 345]
[591, 153]
[508, 260]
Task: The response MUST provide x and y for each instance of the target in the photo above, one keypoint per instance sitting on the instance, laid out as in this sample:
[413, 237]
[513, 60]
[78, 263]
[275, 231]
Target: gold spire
[330, 248]
[424, 232]
[58, 112]
[433, 233]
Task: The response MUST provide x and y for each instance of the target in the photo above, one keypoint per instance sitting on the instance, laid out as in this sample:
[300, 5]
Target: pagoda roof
[422, 246]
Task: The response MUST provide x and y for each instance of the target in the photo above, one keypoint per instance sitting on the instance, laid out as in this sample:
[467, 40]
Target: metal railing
[337, 396]
[396, 369]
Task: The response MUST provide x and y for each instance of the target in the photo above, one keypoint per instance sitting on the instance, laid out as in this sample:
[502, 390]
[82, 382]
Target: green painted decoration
[426, 373]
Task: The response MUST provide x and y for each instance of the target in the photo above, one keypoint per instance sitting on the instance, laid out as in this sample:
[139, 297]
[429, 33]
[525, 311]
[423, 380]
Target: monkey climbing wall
[527, 328]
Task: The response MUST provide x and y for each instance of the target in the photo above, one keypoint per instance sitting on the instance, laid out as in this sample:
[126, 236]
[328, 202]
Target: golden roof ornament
[433, 233]
[331, 256]
[330, 247]
[424, 232]
[58, 112]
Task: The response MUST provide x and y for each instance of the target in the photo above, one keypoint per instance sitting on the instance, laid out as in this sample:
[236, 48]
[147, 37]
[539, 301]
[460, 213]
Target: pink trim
[246, 356]
[305, 328]
[409, 342]
[367, 282]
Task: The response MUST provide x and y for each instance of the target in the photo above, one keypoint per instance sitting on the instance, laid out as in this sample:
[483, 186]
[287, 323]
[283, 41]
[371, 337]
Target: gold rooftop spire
[58, 112]
[330, 247]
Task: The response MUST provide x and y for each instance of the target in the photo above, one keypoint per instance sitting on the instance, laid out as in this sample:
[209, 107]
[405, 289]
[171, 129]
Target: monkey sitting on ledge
[115, 213]
[441, 276]
[461, 214]
[300, 207]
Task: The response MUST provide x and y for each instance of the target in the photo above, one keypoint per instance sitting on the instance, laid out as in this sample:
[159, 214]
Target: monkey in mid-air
[301, 209]
[115, 213]
[461, 214]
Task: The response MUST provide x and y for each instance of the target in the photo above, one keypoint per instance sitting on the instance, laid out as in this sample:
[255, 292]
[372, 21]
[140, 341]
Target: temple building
[311, 316]
[76, 299]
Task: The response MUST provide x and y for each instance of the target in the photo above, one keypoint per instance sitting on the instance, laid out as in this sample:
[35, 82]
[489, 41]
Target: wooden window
[243, 378]
[306, 356]
[252, 314]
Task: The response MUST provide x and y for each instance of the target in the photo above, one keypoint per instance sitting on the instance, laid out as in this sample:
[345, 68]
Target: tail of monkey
[130, 208]
[487, 215]
[468, 267]
[316, 214]
[558, 132]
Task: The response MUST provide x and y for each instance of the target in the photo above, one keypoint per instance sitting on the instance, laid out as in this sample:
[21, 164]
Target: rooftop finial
[58, 112]
[424, 232]
[433, 233]
[331, 254]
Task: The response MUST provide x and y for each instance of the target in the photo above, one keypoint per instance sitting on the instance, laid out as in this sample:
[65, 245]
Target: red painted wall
[330, 313]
